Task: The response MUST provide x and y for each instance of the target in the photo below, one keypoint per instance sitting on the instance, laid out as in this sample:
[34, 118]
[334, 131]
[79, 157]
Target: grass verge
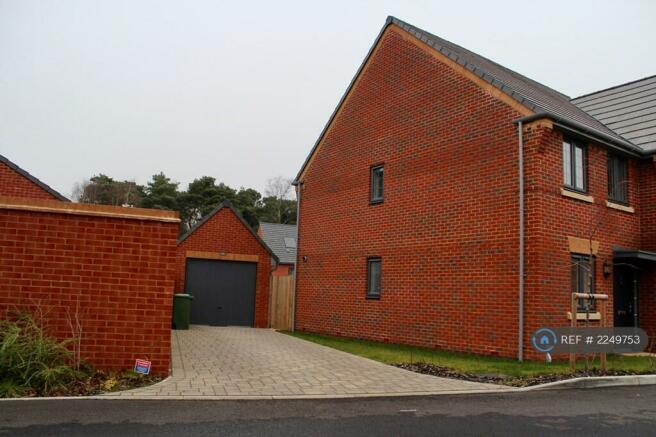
[466, 363]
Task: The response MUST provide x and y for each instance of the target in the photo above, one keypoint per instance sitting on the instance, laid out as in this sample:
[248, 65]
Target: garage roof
[228, 204]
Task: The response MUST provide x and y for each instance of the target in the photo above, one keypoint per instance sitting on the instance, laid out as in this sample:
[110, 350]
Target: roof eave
[593, 134]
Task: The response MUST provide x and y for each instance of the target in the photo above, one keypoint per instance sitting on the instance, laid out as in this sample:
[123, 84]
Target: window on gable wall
[617, 179]
[376, 190]
[574, 166]
[373, 277]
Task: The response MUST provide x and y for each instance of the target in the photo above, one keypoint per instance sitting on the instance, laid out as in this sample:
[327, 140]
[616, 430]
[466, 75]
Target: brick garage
[447, 232]
[117, 265]
[223, 238]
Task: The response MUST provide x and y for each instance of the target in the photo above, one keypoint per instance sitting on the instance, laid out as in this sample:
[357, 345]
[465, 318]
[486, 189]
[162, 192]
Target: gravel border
[512, 381]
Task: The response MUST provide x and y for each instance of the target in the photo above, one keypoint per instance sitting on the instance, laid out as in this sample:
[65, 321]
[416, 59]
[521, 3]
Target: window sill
[620, 207]
[375, 202]
[577, 196]
[581, 316]
[373, 297]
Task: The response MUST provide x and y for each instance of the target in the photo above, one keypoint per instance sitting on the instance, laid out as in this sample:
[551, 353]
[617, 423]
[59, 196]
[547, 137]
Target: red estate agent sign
[142, 366]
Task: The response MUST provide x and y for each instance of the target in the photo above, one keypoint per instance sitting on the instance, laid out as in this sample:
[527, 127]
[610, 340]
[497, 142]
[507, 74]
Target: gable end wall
[447, 230]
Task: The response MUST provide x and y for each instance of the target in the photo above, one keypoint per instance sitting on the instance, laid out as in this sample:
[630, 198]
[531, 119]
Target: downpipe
[520, 316]
[298, 239]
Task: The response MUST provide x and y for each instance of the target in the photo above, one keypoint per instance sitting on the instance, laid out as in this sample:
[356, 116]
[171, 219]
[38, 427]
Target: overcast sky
[240, 90]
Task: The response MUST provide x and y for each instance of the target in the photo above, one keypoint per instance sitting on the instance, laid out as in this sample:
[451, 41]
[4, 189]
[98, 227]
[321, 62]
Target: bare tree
[79, 188]
[75, 319]
[279, 188]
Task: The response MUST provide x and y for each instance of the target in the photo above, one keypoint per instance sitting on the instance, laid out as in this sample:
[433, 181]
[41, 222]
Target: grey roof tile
[628, 109]
[274, 234]
[532, 94]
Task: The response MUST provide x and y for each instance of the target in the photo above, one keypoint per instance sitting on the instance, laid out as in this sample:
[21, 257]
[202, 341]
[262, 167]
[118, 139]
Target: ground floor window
[373, 277]
[583, 279]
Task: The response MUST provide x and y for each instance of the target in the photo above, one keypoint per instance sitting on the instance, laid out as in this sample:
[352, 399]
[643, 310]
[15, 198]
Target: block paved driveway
[235, 362]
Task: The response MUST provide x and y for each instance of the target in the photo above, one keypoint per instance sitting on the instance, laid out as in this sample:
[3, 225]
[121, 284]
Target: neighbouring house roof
[281, 239]
[227, 204]
[628, 109]
[536, 97]
[33, 179]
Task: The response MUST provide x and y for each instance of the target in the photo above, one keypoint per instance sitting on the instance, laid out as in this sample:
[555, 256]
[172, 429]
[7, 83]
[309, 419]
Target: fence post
[573, 310]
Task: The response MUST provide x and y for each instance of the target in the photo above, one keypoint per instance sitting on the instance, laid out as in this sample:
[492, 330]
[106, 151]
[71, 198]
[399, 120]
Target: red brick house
[453, 203]
[101, 273]
[225, 265]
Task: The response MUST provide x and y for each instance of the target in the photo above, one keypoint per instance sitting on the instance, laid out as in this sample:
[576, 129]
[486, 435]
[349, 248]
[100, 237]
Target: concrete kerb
[574, 383]
[595, 382]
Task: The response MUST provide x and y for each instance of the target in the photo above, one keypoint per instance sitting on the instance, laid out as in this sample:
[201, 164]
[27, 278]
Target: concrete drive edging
[595, 382]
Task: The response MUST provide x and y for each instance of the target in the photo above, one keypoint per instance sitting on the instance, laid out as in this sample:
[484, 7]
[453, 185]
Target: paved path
[234, 363]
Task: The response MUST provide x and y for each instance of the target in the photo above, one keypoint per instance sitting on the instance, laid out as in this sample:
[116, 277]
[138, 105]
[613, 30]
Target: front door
[624, 297]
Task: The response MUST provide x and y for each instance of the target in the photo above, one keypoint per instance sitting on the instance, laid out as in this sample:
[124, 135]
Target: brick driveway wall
[115, 270]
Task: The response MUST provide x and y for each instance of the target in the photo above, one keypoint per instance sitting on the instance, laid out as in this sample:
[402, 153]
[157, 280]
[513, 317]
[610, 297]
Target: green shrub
[30, 360]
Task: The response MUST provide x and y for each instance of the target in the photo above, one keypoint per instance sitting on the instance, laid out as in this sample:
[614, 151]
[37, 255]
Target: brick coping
[59, 207]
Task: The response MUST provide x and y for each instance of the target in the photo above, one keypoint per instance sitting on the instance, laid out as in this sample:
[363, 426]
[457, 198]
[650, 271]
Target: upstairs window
[574, 166]
[583, 279]
[376, 183]
[617, 179]
[373, 277]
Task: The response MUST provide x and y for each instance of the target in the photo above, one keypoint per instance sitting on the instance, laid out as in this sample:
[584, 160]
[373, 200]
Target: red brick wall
[647, 302]
[447, 230]
[648, 203]
[225, 233]
[119, 270]
[648, 222]
[283, 270]
[552, 217]
[14, 184]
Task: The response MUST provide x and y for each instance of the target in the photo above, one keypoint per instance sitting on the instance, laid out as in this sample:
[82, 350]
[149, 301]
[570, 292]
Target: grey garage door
[224, 292]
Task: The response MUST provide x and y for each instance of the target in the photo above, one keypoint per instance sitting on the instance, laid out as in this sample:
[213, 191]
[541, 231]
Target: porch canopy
[633, 254]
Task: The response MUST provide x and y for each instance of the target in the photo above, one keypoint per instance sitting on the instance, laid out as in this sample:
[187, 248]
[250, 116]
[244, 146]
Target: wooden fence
[282, 300]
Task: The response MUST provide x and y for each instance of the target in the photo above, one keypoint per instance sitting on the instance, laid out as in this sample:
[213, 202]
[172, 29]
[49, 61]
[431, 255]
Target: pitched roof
[539, 98]
[33, 179]
[281, 239]
[227, 204]
[628, 109]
